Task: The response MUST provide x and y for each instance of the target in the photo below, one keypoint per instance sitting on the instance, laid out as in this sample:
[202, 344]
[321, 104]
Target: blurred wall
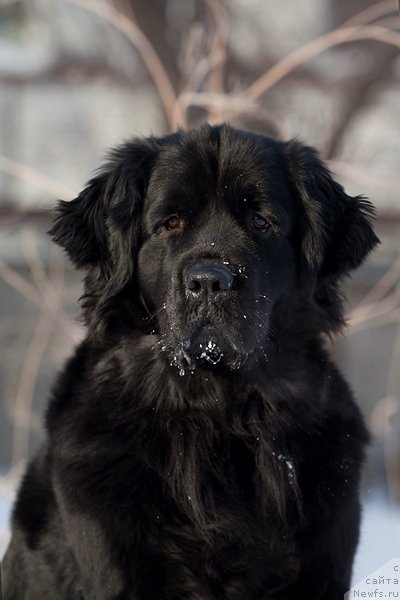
[78, 76]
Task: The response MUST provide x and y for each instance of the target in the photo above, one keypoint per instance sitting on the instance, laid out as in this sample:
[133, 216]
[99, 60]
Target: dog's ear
[100, 228]
[79, 225]
[337, 233]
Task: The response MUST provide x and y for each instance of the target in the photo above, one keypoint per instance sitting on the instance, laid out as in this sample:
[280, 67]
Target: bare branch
[230, 106]
[217, 54]
[19, 284]
[301, 55]
[145, 50]
[392, 316]
[383, 286]
[35, 178]
[380, 9]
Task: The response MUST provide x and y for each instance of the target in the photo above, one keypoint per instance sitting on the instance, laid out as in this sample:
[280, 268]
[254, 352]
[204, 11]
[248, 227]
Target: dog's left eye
[259, 223]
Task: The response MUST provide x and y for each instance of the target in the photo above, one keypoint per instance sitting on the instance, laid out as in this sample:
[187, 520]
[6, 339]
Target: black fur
[200, 446]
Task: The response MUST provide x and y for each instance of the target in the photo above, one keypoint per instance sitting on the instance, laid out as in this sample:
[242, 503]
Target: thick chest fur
[217, 500]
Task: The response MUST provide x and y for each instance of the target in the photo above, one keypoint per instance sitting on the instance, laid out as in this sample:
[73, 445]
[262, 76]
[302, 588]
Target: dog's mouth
[207, 348]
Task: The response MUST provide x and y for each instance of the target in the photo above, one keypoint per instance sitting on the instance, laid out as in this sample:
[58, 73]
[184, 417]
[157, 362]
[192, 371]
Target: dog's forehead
[209, 162]
[221, 168]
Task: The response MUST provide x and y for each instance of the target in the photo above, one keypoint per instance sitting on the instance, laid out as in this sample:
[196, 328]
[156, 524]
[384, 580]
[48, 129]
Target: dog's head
[214, 239]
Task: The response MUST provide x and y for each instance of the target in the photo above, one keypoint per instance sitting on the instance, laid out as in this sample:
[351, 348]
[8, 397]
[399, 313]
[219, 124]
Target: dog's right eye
[172, 223]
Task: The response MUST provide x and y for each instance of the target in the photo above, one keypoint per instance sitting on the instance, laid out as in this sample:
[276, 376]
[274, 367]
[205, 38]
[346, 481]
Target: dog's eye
[172, 223]
[259, 223]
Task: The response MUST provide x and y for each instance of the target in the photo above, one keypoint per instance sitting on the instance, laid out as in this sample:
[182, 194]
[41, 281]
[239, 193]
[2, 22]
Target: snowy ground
[380, 535]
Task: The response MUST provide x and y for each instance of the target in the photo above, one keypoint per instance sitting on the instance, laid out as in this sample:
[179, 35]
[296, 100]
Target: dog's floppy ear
[100, 231]
[99, 228]
[338, 231]
[79, 225]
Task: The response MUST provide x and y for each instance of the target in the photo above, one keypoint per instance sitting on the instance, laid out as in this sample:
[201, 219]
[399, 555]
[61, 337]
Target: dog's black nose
[208, 280]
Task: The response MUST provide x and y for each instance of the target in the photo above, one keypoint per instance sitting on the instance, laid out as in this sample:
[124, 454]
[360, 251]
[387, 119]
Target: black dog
[200, 443]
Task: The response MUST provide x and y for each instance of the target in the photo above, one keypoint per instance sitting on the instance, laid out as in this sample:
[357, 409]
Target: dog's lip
[203, 344]
[207, 346]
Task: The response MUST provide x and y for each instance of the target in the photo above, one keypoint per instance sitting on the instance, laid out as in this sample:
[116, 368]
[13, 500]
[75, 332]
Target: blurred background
[78, 76]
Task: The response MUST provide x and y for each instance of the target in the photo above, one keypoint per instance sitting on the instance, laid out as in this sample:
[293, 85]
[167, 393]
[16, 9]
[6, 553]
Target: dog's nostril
[194, 285]
[216, 286]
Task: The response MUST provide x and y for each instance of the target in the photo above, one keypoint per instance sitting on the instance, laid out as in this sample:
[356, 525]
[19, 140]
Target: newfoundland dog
[201, 445]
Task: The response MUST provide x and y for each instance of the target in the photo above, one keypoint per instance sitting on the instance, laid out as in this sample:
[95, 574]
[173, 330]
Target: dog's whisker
[156, 313]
